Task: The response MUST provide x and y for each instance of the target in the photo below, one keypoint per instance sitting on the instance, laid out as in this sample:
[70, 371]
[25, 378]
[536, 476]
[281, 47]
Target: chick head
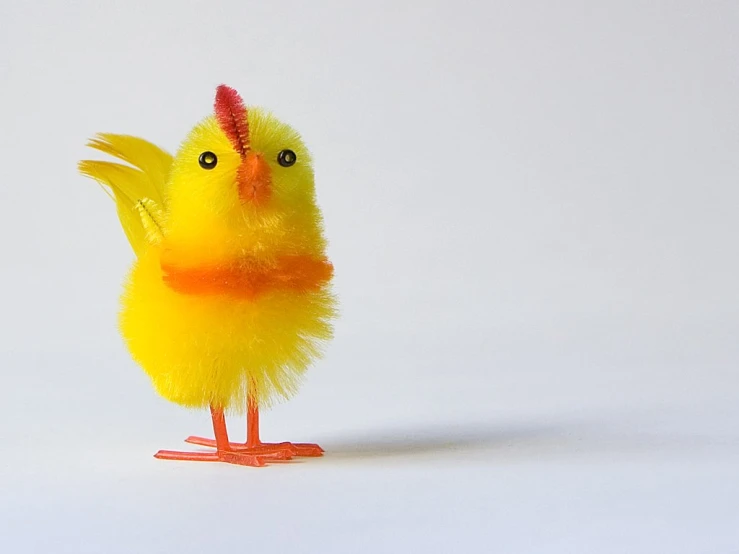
[242, 181]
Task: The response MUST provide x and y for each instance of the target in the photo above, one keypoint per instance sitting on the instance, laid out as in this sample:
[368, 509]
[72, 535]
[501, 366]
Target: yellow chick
[229, 299]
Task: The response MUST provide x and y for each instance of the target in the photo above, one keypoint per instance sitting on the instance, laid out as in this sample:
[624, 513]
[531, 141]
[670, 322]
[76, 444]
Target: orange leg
[224, 452]
[255, 446]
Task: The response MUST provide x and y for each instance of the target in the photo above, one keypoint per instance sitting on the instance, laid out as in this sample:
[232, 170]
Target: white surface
[532, 209]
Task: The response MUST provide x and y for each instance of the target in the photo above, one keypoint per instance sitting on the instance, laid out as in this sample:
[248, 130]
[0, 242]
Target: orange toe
[227, 456]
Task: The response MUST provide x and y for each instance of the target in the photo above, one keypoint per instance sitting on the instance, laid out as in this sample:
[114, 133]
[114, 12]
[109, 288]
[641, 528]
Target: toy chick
[229, 299]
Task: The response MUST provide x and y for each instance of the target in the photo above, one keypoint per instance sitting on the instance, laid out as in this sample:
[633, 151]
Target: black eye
[208, 160]
[286, 158]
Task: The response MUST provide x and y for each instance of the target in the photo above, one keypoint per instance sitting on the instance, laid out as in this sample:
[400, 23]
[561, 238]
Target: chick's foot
[252, 459]
[290, 449]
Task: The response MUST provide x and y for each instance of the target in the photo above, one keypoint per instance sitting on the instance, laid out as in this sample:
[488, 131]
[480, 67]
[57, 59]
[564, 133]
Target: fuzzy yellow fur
[216, 349]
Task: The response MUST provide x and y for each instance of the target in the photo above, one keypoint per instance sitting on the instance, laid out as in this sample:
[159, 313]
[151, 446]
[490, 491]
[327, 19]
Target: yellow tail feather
[131, 185]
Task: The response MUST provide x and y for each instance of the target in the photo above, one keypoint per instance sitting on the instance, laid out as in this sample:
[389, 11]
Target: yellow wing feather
[147, 180]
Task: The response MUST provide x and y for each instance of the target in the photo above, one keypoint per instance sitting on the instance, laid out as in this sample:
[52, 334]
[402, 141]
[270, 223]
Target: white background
[532, 209]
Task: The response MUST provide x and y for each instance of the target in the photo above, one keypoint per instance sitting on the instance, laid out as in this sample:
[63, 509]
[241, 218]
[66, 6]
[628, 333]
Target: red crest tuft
[232, 117]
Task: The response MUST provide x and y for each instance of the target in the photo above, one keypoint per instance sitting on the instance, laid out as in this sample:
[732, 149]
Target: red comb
[231, 116]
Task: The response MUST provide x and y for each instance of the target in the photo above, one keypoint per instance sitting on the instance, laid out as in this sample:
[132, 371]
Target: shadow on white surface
[521, 441]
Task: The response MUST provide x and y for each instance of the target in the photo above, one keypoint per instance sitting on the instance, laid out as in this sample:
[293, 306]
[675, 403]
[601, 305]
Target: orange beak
[253, 178]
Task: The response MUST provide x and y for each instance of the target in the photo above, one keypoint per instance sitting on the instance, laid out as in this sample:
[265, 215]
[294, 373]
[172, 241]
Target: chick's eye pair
[208, 160]
[286, 158]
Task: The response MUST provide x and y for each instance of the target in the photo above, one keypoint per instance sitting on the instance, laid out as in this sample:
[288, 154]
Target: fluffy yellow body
[201, 350]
